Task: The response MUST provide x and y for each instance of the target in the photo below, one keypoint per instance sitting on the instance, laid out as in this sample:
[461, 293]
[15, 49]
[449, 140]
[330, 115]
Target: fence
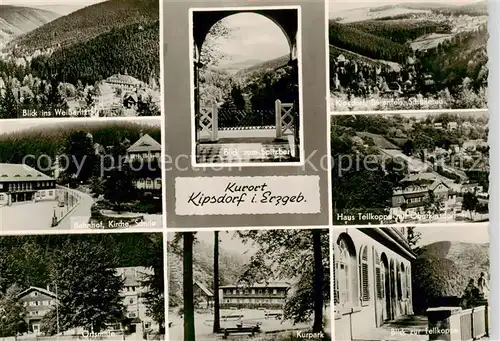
[284, 119]
[473, 323]
[453, 323]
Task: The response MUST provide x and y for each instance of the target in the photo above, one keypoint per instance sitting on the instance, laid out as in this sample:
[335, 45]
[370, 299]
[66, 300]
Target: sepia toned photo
[255, 284]
[77, 287]
[72, 174]
[246, 92]
[401, 54]
[412, 283]
[418, 168]
[85, 58]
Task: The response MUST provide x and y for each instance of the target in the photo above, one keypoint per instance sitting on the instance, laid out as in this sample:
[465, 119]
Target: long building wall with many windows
[372, 279]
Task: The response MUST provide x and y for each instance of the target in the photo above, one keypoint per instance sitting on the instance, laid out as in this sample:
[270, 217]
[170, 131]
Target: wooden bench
[277, 316]
[240, 330]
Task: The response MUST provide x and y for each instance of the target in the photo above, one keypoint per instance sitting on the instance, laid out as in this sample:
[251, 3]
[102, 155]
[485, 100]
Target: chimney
[48, 287]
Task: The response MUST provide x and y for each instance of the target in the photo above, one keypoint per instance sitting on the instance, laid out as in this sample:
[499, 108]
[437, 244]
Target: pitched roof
[20, 172]
[134, 275]
[125, 79]
[145, 144]
[43, 291]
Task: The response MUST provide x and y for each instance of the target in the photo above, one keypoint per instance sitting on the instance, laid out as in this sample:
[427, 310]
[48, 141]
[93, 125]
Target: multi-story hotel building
[264, 295]
[372, 279]
[133, 289]
[20, 182]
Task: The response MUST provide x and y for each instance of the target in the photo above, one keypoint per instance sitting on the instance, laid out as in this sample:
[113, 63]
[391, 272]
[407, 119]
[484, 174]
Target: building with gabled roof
[22, 183]
[202, 295]
[144, 156]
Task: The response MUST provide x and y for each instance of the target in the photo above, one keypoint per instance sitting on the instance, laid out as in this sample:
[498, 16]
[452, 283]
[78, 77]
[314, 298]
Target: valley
[102, 59]
[433, 55]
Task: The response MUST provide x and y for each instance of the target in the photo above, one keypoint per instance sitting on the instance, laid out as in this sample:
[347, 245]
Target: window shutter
[378, 279]
[365, 289]
[335, 282]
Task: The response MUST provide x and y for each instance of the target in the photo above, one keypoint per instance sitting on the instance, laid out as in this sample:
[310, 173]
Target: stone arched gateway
[286, 114]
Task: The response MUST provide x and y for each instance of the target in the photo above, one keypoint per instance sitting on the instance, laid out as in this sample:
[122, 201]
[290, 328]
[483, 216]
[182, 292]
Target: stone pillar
[444, 323]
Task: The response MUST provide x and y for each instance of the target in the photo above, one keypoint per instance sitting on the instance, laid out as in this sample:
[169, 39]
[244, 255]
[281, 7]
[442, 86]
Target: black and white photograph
[83, 58]
[74, 174]
[407, 54]
[262, 285]
[246, 85]
[86, 286]
[412, 283]
[418, 168]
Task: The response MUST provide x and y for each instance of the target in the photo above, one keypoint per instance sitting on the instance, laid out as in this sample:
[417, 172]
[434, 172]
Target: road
[38, 216]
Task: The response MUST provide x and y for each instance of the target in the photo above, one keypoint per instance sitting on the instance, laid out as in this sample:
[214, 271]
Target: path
[407, 328]
[80, 216]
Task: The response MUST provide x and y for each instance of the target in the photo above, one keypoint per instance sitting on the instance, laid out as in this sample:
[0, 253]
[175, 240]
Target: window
[402, 276]
[345, 273]
[363, 275]
[378, 274]
[131, 301]
[275, 291]
[2, 196]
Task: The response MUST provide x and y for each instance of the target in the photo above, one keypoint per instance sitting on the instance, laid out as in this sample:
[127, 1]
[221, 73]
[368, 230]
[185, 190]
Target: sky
[471, 233]
[253, 37]
[59, 6]
[9, 126]
[336, 6]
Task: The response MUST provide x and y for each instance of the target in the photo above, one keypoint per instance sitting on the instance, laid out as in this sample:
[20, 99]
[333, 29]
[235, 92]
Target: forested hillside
[51, 142]
[401, 31]
[230, 267]
[87, 23]
[17, 20]
[370, 45]
[25, 260]
[134, 47]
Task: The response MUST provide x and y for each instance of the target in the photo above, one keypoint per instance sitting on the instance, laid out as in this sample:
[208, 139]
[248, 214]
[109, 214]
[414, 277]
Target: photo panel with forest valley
[246, 90]
[73, 174]
[412, 283]
[400, 55]
[82, 286]
[418, 168]
[268, 284]
[89, 58]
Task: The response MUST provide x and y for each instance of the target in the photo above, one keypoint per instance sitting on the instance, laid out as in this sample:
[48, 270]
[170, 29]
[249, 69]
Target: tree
[189, 331]
[118, 187]
[154, 297]
[8, 103]
[81, 156]
[216, 326]
[317, 283]
[470, 202]
[12, 313]
[147, 107]
[88, 286]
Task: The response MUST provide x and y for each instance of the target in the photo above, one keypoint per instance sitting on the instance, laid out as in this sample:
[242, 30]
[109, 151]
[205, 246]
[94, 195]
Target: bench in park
[240, 330]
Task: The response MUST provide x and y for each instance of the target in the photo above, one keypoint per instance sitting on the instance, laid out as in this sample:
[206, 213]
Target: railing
[234, 119]
[453, 323]
[284, 119]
